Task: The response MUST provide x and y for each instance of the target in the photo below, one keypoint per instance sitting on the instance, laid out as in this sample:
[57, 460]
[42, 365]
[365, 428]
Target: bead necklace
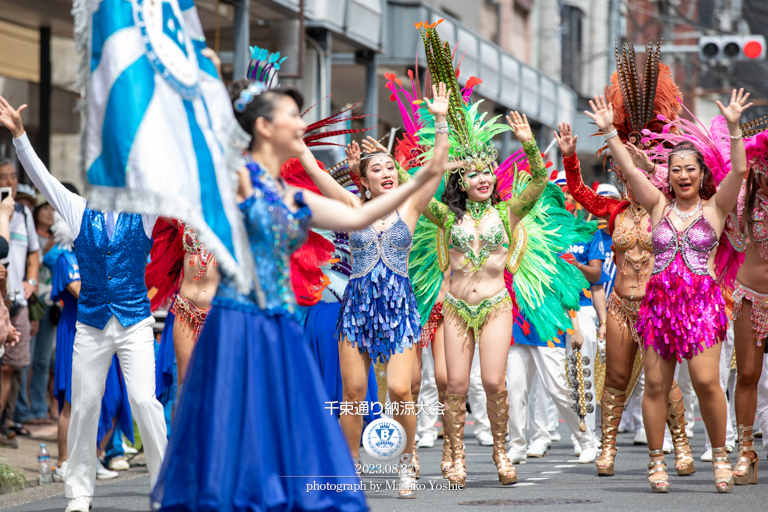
[478, 209]
[687, 215]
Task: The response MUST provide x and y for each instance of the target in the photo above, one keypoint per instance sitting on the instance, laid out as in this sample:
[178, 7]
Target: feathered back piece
[264, 66]
[163, 272]
[313, 139]
[470, 136]
[637, 106]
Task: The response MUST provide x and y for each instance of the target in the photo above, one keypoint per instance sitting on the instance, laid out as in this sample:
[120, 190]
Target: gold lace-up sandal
[407, 476]
[613, 399]
[456, 416]
[658, 467]
[447, 462]
[497, 404]
[676, 422]
[722, 464]
[415, 451]
[745, 471]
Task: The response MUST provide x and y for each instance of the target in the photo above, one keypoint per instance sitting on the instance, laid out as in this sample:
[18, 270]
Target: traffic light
[732, 48]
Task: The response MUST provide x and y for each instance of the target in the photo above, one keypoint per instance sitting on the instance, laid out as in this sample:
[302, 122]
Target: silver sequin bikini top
[391, 246]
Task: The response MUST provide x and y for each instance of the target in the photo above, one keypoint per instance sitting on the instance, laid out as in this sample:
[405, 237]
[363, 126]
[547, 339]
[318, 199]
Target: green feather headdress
[470, 135]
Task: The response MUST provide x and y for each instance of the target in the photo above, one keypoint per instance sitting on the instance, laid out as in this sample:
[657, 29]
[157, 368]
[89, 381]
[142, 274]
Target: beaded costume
[263, 370]
[683, 311]
[379, 313]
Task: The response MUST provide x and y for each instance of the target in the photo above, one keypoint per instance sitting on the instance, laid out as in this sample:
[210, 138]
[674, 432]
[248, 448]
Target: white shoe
[588, 455]
[81, 504]
[576, 448]
[103, 473]
[537, 449]
[729, 448]
[706, 456]
[59, 473]
[119, 464]
[667, 447]
[129, 450]
[640, 437]
[689, 433]
[484, 438]
[622, 429]
[516, 457]
[555, 436]
[426, 441]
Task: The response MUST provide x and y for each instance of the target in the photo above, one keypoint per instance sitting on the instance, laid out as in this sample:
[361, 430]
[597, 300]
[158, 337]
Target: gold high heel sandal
[658, 466]
[612, 399]
[500, 408]
[744, 464]
[407, 476]
[456, 415]
[728, 487]
[676, 422]
[447, 462]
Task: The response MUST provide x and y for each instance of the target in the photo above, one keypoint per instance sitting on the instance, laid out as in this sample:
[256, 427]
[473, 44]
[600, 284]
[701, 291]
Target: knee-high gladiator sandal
[497, 404]
[746, 466]
[676, 422]
[415, 452]
[612, 399]
[656, 467]
[407, 476]
[722, 464]
[447, 462]
[456, 416]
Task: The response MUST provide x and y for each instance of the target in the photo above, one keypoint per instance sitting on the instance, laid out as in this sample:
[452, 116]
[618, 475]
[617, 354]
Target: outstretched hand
[732, 113]
[602, 113]
[11, 118]
[353, 157]
[566, 140]
[439, 104]
[371, 145]
[639, 157]
[520, 126]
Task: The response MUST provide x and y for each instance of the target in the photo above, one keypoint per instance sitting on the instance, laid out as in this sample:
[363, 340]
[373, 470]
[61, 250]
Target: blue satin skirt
[251, 432]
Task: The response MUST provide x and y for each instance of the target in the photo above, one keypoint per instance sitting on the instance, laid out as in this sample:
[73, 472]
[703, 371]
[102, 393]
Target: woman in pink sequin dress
[683, 314]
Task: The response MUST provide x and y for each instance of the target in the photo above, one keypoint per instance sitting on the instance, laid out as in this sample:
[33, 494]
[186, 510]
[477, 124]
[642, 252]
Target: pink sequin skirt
[682, 312]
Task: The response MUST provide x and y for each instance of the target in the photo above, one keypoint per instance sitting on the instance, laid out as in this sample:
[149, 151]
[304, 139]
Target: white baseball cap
[606, 189]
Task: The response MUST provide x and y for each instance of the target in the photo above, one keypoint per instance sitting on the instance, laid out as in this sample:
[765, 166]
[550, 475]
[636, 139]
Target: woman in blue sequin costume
[379, 318]
[253, 380]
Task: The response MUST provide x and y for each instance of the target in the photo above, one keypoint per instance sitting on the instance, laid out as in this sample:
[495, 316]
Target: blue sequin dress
[251, 431]
[379, 313]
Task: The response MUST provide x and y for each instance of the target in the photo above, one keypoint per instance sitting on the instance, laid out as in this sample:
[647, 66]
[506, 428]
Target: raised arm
[69, 205]
[647, 195]
[338, 216]
[325, 182]
[520, 206]
[728, 193]
[594, 203]
[439, 107]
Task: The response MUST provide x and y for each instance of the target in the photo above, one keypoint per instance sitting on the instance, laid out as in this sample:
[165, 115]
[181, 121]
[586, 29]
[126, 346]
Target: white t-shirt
[23, 241]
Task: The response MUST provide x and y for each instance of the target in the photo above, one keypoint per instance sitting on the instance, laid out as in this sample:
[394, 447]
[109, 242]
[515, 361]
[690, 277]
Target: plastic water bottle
[44, 465]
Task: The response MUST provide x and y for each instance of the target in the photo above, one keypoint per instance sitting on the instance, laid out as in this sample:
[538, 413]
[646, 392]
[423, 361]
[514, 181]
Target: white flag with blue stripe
[159, 133]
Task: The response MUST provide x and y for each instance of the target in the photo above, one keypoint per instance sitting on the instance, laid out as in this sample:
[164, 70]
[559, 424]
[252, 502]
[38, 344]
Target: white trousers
[587, 318]
[522, 364]
[428, 396]
[762, 402]
[633, 408]
[726, 354]
[92, 357]
[542, 413]
[477, 398]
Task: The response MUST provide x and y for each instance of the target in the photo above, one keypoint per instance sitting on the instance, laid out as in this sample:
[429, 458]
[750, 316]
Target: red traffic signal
[732, 48]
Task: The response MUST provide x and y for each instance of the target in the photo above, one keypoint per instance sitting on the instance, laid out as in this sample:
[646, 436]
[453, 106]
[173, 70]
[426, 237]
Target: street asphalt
[555, 482]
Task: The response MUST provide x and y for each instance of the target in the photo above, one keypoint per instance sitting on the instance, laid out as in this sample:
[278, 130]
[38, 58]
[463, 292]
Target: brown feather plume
[750, 128]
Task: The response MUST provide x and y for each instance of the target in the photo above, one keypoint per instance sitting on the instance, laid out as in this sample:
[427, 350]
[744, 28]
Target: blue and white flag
[159, 133]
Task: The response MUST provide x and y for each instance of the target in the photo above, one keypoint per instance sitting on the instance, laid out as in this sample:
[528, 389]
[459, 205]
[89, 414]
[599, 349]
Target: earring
[701, 184]
[367, 194]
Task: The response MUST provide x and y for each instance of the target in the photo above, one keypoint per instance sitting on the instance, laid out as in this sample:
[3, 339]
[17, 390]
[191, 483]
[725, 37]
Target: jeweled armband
[526, 200]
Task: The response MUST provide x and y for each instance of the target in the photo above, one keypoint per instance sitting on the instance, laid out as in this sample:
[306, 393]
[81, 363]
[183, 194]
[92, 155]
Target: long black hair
[708, 187]
[364, 164]
[262, 105]
[456, 199]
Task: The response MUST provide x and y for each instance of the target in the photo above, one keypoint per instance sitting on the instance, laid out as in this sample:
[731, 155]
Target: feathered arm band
[594, 203]
[523, 203]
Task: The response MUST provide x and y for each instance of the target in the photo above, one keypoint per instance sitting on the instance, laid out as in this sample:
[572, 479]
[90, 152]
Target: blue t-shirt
[584, 253]
[609, 266]
[533, 337]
